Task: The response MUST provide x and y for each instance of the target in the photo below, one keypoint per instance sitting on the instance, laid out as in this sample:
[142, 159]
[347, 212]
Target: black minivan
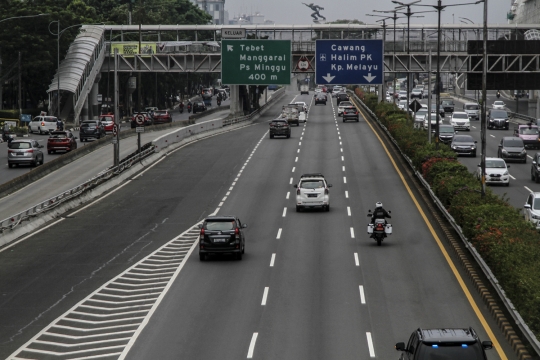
[222, 235]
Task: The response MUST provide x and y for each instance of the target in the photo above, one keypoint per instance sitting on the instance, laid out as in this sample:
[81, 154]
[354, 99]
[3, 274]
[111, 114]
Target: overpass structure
[196, 48]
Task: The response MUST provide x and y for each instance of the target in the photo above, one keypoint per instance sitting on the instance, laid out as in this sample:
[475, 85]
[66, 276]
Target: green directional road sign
[256, 62]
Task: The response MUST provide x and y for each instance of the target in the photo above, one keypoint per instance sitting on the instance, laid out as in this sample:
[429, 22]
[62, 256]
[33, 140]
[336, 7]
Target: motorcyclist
[218, 100]
[498, 94]
[181, 106]
[59, 124]
[379, 213]
[189, 106]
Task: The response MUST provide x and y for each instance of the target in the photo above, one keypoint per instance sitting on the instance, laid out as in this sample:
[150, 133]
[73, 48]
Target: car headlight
[506, 172]
[506, 120]
[504, 151]
[523, 152]
[537, 217]
[454, 147]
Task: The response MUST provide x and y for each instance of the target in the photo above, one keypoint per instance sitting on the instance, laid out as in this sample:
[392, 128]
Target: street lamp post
[1, 88]
[440, 7]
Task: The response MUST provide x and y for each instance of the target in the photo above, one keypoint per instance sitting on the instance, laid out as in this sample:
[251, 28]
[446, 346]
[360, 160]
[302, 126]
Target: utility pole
[484, 105]
[139, 102]
[116, 142]
[20, 85]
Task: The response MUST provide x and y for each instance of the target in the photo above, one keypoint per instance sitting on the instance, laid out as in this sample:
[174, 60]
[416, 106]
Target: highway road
[520, 184]
[7, 173]
[312, 285]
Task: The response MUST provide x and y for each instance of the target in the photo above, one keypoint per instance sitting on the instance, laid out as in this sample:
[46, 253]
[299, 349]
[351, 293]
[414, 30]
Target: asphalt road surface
[312, 285]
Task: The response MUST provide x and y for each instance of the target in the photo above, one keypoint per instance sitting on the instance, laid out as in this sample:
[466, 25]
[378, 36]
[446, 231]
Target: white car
[498, 105]
[417, 93]
[342, 106]
[532, 209]
[336, 89]
[42, 124]
[303, 105]
[402, 104]
[302, 116]
[460, 120]
[402, 95]
[496, 172]
[312, 192]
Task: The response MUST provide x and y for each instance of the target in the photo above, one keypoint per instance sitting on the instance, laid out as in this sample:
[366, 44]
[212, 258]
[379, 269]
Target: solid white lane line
[343, 168]
[529, 156]
[356, 261]
[272, 259]
[284, 212]
[344, 180]
[370, 345]
[347, 194]
[529, 190]
[252, 345]
[293, 169]
[348, 211]
[290, 182]
[296, 160]
[352, 233]
[362, 296]
[279, 234]
[265, 295]
[513, 178]
[288, 193]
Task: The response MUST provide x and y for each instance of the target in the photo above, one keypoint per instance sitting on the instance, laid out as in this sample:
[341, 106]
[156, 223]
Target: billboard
[132, 48]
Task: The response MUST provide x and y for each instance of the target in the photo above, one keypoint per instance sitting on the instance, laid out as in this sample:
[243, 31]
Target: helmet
[378, 204]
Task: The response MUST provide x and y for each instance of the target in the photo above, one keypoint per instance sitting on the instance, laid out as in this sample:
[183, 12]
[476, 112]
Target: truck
[304, 89]
[291, 113]
[472, 110]
[529, 134]
[448, 105]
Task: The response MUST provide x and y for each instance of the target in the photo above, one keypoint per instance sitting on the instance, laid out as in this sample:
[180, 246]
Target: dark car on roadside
[444, 343]
[351, 113]
[222, 235]
[320, 98]
[161, 117]
[448, 106]
[446, 133]
[24, 152]
[342, 96]
[512, 148]
[280, 127]
[91, 129]
[61, 141]
[464, 145]
[199, 106]
[498, 119]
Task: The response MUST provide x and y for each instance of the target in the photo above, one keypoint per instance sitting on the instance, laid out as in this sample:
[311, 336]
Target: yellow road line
[483, 321]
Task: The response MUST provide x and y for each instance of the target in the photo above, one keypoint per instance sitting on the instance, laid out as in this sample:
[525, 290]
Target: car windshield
[450, 352]
[19, 145]
[498, 164]
[88, 123]
[421, 112]
[498, 114]
[463, 138]
[280, 122]
[106, 118]
[536, 204]
[447, 102]
[471, 107]
[528, 131]
[345, 103]
[402, 102]
[513, 143]
[446, 129]
[58, 135]
[498, 103]
[460, 116]
[160, 113]
[312, 184]
[220, 225]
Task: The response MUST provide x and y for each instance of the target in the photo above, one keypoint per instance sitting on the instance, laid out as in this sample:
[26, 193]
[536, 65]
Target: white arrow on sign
[329, 78]
[369, 78]
[229, 48]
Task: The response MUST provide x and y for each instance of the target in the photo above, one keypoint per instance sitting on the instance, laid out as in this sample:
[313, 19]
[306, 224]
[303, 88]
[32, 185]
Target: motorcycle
[189, 108]
[181, 108]
[379, 230]
[218, 102]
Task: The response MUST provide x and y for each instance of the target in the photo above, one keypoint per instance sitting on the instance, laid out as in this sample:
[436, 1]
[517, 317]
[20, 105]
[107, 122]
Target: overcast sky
[294, 12]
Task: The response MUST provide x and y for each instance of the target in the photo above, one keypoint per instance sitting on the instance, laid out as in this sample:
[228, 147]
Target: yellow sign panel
[132, 48]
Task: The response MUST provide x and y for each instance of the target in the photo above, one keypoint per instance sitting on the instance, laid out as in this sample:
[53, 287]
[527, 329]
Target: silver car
[24, 152]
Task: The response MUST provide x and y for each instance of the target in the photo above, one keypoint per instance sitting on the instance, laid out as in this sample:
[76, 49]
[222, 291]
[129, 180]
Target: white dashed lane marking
[356, 261]
[370, 345]
[344, 180]
[252, 345]
[272, 260]
[265, 296]
[529, 190]
[279, 232]
[362, 296]
[347, 194]
[348, 211]
[284, 212]
[288, 194]
[352, 233]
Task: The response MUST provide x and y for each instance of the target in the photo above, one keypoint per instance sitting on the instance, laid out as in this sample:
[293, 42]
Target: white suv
[532, 209]
[342, 105]
[312, 191]
[460, 120]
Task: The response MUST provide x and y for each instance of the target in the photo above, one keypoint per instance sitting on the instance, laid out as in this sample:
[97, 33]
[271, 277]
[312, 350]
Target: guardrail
[518, 320]
[153, 147]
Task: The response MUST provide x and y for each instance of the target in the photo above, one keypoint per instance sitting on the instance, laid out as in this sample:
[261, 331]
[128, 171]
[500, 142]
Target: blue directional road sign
[349, 62]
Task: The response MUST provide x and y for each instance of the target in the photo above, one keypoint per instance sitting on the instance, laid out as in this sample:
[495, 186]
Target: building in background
[216, 8]
[252, 19]
[524, 12]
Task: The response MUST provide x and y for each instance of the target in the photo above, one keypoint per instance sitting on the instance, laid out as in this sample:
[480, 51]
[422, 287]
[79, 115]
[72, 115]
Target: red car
[61, 141]
[107, 121]
[161, 117]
